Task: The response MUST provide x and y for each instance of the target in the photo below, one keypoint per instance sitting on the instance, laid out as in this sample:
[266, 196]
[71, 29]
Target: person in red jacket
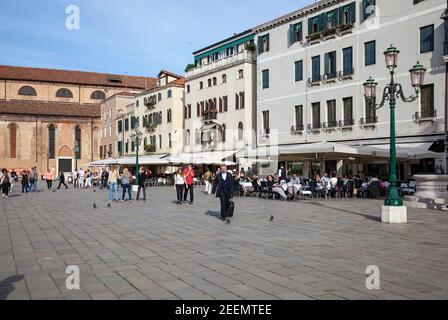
[189, 174]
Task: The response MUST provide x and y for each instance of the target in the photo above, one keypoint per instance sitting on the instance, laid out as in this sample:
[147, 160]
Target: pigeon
[227, 221]
[271, 218]
[108, 205]
[94, 206]
[54, 190]
[94, 190]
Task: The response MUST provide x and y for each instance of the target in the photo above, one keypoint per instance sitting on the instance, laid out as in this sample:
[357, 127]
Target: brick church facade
[51, 118]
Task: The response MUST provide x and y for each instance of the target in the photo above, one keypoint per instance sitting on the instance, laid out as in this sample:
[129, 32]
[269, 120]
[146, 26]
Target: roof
[169, 73]
[309, 9]
[176, 83]
[41, 108]
[236, 36]
[75, 77]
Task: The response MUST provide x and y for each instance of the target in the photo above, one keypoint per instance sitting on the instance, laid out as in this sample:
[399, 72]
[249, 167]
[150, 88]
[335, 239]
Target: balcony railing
[330, 76]
[346, 122]
[314, 80]
[208, 115]
[330, 124]
[297, 129]
[369, 120]
[240, 56]
[150, 148]
[347, 72]
[315, 126]
[427, 115]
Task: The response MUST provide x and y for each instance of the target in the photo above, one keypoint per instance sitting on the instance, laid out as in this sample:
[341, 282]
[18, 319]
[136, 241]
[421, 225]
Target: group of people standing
[112, 178]
[184, 184]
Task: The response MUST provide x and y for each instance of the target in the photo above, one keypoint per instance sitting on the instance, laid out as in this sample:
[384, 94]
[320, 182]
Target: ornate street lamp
[137, 138]
[393, 209]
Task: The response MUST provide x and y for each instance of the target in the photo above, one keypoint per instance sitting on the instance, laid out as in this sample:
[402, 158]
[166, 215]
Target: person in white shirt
[179, 184]
[81, 178]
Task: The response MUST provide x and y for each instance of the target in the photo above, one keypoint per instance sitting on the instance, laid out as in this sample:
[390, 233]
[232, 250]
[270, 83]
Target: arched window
[98, 95]
[13, 141]
[159, 97]
[145, 142]
[78, 142]
[209, 82]
[51, 141]
[170, 143]
[64, 93]
[215, 81]
[201, 85]
[169, 115]
[27, 91]
[223, 133]
[240, 131]
[170, 93]
[224, 78]
[160, 141]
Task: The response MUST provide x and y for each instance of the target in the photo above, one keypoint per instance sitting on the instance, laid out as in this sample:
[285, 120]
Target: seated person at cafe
[276, 188]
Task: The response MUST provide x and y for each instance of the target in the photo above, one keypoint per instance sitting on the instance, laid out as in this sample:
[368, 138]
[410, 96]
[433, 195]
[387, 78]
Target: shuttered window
[299, 117]
[298, 70]
[427, 39]
[368, 8]
[266, 121]
[331, 113]
[263, 43]
[348, 110]
[427, 101]
[265, 79]
[369, 53]
[295, 33]
[347, 57]
[370, 111]
[330, 64]
[316, 114]
[315, 68]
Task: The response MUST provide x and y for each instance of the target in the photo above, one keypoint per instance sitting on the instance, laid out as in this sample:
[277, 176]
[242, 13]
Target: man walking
[141, 184]
[189, 174]
[62, 180]
[33, 178]
[225, 191]
[208, 181]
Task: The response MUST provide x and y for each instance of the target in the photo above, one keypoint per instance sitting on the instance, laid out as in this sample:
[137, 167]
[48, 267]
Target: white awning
[104, 162]
[320, 147]
[144, 160]
[215, 157]
[406, 150]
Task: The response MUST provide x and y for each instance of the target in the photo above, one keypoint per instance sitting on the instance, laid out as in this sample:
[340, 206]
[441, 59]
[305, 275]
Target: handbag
[230, 209]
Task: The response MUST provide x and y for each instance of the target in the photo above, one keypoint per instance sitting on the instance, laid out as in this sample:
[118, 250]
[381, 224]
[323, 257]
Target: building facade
[312, 63]
[220, 98]
[110, 108]
[157, 114]
[51, 118]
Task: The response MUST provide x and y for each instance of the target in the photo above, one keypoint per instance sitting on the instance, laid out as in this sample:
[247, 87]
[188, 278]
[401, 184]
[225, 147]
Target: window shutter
[291, 34]
[310, 26]
[323, 21]
[352, 12]
[327, 64]
[336, 16]
[260, 45]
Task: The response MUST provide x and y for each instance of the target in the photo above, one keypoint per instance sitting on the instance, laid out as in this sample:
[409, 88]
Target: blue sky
[134, 36]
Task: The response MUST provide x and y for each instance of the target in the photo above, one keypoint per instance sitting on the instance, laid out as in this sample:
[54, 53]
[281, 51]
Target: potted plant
[250, 46]
[189, 67]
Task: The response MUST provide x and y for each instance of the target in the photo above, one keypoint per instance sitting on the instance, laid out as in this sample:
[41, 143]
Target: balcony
[150, 148]
[329, 33]
[426, 116]
[330, 77]
[346, 123]
[315, 127]
[264, 136]
[209, 115]
[369, 121]
[297, 129]
[347, 73]
[330, 125]
[244, 56]
[314, 81]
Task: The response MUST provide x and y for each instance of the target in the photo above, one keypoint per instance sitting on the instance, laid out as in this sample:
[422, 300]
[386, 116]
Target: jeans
[189, 190]
[113, 191]
[127, 187]
[25, 188]
[34, 184]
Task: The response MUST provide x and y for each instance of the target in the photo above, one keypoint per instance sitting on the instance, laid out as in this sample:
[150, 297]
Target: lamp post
[76, 152]
[393, 210]
[137, 137]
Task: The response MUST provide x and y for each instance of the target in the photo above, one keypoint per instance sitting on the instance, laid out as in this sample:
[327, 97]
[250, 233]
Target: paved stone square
[158, 250]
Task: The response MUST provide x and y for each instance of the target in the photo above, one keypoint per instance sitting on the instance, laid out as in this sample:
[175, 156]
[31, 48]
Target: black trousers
[5, 188]
[224, 196]
[179, 192]
[189, 190]
[62, 183]
[144, 192]
[49, 183]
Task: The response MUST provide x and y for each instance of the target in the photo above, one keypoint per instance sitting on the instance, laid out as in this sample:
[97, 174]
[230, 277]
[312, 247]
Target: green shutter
[327, 64]
[291, 34]
[310, 26]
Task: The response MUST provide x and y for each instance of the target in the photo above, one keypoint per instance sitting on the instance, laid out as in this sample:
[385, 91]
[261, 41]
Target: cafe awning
[211, 157]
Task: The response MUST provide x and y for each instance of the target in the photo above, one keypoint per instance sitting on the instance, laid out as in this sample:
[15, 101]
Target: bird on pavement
[227, 221]
[271, 218]
[94, 206]
[108, 205]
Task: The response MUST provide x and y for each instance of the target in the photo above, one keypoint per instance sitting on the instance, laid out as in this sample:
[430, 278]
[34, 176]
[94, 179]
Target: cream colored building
[220, 99]
[157, 114]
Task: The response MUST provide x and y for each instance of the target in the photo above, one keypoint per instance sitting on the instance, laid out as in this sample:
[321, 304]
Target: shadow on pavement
[214, 214]
[6, 286]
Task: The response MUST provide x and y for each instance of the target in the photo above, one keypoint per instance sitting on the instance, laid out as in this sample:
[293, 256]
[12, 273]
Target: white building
[311, 65]
[220, 101]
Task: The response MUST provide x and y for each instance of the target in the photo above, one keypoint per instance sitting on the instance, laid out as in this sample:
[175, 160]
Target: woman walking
[113, 185]
[62, 180]
[5, 182]
[179, 184]
[49, 178]
[126, 184]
